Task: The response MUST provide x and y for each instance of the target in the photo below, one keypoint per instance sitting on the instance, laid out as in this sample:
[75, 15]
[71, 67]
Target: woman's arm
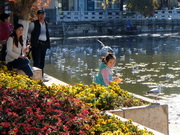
[105, 74]
[10, 51]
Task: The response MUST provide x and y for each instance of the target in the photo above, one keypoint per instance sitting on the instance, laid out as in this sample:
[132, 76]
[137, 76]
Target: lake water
[143, 62]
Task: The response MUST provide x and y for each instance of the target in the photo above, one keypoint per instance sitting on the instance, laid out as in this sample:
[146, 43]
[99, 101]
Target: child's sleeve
[105, 75]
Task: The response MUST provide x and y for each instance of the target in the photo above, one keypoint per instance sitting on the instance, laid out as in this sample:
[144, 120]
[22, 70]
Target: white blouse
[13, 52]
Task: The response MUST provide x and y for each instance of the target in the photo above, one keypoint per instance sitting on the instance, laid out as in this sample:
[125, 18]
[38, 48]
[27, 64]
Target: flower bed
[103, 98]
[33, 112]
[28, 107]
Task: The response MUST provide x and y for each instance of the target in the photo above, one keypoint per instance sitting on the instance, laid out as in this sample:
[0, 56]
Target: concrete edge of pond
[137, 124]
[154, 116]
[52, 80]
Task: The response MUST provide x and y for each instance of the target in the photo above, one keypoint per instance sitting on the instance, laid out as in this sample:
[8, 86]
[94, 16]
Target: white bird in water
[104, 48]
[155, 92]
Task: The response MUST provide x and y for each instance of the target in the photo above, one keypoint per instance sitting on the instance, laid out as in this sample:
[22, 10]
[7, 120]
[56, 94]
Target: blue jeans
[22, 64]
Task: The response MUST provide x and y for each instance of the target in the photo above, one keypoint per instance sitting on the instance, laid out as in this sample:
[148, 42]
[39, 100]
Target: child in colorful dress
[104, 76]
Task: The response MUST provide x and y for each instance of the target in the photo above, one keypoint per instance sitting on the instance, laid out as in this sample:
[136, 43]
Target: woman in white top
[16, 51]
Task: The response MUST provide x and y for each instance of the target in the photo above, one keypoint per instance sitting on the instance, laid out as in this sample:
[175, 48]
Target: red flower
[15, 114]
[40, 117]
[36, 94]
[45, 127]
[29, 110]
[59, 122]
[5, 124]
[81, 132]
[48, 110]
[8, 110]
[65, 128]
[4, 133]
[80, 115]
[67, 133]
[49, 103]
[85, 111]
[30, 119]
[57, 104]
[16, 130]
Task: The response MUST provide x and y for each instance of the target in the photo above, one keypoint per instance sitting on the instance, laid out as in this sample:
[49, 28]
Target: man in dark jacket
[39, 38]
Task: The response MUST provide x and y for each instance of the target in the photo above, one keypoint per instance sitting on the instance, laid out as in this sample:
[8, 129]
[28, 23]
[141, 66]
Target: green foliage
[144, 7]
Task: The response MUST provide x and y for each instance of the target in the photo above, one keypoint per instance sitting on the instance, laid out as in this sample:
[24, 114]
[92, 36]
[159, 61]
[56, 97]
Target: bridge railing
[75, 16]
[69, 16]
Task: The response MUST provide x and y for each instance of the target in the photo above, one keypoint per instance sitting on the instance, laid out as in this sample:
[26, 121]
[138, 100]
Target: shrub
[104, 98]
[33, 112]
[29, 107]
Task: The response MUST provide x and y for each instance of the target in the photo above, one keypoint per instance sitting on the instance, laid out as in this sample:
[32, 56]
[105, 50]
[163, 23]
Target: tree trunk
[24, 13]
[25, 23]
[25, 9]
[22, 9]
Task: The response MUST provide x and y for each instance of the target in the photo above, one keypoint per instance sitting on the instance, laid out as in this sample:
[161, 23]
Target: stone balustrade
[116, 15]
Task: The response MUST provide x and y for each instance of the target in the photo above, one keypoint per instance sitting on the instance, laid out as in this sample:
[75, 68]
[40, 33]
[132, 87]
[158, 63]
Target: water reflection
[143, 61]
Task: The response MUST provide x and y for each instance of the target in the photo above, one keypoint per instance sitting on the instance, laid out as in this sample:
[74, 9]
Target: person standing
[17, 50]
[5, 30]
[40, 41]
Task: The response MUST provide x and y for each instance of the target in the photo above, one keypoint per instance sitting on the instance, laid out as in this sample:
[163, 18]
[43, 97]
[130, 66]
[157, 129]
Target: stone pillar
[75, 5]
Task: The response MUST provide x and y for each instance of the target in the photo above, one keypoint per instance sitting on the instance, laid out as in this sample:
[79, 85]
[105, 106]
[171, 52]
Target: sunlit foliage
[26, 8]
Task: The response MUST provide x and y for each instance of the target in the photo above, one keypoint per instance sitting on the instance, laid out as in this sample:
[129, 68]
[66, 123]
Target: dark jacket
[36, 32]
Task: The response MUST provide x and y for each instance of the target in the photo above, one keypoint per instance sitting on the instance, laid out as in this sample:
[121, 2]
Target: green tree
[144, 7]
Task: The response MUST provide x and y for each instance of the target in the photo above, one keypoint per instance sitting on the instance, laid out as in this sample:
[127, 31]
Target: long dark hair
[108, 57]
[14, 36]
[4, 16]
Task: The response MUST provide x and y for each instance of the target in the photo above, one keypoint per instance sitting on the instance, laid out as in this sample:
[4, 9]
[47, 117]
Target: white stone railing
[75, 16]
[70, 16]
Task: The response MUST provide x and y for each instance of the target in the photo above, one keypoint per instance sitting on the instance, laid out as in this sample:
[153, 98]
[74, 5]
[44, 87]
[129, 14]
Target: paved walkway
[174, 130]
[53, 80]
